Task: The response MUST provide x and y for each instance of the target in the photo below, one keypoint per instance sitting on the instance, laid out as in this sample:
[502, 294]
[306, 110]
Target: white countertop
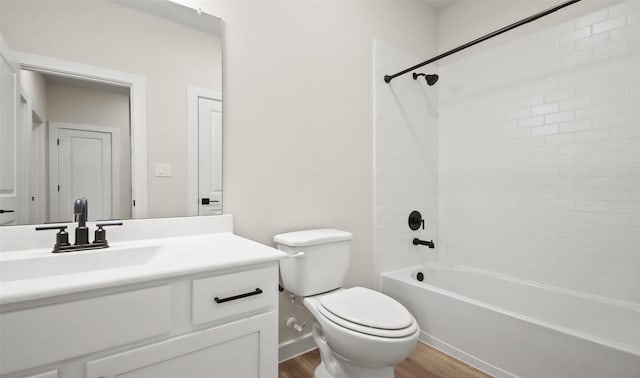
[37, 273]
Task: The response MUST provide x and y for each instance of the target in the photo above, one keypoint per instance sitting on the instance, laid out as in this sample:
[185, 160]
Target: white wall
[90, 106]
[406, 159]
[35, 87]
[540, 155]
[171, 56]
[298, 114]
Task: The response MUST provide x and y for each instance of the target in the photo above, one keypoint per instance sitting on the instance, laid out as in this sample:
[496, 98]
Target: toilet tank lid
[312, 237]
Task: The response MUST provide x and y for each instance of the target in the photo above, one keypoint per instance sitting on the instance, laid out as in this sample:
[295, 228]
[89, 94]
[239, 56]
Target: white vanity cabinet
[237, 349]
[245, 346]
[211, 324]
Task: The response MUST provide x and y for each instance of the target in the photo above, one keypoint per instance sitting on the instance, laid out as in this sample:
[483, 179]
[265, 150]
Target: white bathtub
[508, 327]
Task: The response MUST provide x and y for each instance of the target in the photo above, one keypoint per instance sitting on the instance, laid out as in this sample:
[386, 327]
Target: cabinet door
[41, 335]
[245, 348]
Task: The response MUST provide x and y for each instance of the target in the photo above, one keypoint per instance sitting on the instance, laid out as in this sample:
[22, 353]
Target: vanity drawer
[233, 294]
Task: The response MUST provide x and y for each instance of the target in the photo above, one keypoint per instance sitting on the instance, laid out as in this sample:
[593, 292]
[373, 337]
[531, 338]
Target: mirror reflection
[116, 101]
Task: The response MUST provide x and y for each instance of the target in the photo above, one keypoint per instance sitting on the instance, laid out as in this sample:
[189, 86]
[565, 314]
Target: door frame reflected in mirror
[138, 111]
[194, 207]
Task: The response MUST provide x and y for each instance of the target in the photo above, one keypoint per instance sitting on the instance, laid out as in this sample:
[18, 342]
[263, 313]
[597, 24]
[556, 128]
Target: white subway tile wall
[539, 163]
[406, 161]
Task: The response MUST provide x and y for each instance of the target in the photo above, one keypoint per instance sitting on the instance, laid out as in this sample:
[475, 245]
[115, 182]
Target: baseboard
[464, 357]
[294, 348]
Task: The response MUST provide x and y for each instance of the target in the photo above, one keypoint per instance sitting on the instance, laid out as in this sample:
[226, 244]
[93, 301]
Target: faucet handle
[58, 227]
[62, 237]
[100, 225]
[100, 236]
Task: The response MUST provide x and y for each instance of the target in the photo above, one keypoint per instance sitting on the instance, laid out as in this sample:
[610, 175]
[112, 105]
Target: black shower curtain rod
[388, 78]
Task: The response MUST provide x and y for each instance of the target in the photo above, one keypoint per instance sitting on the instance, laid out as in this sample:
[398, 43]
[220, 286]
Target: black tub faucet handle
[415, 220]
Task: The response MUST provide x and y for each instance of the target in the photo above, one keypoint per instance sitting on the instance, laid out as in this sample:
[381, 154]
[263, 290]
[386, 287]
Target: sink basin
[78, 262]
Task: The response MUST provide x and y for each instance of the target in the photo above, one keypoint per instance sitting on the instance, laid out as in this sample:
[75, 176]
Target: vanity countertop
[32, 274]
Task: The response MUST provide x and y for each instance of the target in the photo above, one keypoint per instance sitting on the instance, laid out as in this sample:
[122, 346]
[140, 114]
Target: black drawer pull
[2, 211]
[222, 300]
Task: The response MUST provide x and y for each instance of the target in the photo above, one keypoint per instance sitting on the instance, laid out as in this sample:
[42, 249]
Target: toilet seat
[366, 311]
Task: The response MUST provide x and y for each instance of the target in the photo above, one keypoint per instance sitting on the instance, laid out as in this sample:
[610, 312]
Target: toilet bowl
[366, 332]
[360, 332]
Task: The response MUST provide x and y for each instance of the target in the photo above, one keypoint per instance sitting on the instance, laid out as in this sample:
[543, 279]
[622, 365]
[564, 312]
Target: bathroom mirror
[120, 99]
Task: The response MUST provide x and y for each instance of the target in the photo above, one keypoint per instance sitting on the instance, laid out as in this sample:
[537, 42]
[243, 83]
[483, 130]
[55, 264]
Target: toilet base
[321, 372]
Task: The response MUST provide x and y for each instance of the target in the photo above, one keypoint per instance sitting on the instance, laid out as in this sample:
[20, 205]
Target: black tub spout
[429, 243]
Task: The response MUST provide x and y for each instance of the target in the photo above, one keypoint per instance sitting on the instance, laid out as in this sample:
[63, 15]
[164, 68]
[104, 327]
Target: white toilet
[360, 332]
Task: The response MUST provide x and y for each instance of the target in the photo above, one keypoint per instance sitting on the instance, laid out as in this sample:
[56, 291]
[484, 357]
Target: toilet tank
[318, 260]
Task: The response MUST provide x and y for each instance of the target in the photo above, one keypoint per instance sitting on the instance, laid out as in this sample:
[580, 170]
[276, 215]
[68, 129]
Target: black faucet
[80, 210]
[429, 244]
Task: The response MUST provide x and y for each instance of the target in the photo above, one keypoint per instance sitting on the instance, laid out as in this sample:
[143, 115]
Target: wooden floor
[424, 362]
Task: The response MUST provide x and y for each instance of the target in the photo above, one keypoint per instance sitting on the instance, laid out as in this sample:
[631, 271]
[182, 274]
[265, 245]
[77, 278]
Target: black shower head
[430, 79]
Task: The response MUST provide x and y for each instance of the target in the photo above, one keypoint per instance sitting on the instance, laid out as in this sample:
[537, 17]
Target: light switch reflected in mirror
[108, 91]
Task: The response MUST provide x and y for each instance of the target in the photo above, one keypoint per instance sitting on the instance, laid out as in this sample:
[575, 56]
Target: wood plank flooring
[424, 362]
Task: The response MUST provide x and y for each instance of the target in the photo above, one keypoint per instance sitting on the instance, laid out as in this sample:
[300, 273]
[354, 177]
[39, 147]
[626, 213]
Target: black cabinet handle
[2, 211]
[222, 300]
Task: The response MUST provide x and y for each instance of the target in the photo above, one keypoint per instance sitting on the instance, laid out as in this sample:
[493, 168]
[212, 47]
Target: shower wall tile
[574, 35]
[406, 161]
[539, 166]
[593, 18]
[610, 24]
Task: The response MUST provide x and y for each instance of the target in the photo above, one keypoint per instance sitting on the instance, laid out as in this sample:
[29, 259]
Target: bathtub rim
[402, 274]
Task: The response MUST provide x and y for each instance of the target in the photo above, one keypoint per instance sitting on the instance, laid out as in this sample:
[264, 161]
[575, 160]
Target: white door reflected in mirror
[209, 156]
[84, 162]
